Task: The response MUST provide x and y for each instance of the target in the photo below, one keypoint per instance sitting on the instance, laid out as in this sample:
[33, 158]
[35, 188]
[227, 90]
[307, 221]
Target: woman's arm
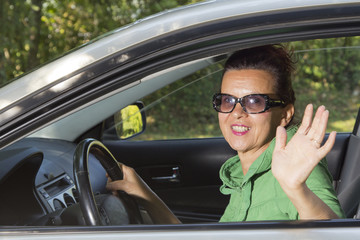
[293, 163]
[133, 185]
[308, 205]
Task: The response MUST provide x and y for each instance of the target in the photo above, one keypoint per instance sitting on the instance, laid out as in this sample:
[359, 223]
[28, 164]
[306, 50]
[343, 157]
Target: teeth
[240, 128]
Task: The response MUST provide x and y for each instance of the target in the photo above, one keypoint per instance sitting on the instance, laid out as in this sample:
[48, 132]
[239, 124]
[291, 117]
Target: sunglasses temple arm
[276, 103]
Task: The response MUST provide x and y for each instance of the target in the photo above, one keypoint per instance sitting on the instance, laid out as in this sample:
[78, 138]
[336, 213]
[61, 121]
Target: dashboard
[36, 180]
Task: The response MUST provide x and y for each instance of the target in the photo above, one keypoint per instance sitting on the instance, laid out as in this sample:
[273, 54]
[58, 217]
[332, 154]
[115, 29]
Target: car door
[171, 156]
[181, 151]
[184, 173]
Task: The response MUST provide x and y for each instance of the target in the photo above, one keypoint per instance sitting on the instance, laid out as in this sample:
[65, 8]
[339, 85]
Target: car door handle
[174, 178]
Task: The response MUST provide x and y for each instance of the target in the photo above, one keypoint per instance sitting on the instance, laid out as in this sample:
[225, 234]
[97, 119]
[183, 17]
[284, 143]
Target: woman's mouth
[239, 130]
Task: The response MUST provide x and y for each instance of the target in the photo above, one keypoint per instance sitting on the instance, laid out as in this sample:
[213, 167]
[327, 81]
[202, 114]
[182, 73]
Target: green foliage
[328, 74]
[128, 122]
[186, 109]
[33, 32]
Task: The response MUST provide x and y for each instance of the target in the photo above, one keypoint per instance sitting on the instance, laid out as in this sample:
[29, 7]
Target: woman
[269, 178]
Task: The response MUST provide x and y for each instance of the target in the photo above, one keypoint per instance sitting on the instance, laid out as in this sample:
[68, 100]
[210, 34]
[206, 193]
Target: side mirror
[130, 121]
[126, 123]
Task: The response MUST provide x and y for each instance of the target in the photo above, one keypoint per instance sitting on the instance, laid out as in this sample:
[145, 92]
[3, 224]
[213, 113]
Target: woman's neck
[248, 158]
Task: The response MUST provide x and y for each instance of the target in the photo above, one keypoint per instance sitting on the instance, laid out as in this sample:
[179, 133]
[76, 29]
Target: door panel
[185, 173]
[195, 195]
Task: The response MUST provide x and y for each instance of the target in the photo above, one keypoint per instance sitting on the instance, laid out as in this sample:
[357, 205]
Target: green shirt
[258, 195]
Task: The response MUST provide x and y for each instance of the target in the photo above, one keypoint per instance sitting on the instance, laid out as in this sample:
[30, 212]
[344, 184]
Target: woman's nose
[238, 111]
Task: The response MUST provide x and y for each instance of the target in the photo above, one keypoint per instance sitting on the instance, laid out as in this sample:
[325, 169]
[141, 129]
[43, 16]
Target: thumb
[281, 136]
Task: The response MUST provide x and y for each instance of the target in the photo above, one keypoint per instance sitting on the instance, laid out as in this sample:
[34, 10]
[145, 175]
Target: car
[141, 95]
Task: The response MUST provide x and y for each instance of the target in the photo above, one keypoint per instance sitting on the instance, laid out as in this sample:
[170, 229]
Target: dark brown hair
[275, 59]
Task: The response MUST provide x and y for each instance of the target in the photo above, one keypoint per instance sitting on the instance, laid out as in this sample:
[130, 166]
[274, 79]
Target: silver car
[63, 124]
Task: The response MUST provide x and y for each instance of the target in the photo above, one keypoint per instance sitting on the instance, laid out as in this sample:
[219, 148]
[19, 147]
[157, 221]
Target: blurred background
[34, 31]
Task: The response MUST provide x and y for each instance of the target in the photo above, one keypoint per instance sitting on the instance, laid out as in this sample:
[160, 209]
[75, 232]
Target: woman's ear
[288, 113]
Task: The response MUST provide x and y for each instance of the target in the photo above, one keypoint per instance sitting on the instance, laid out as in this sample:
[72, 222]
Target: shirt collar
[231, 172]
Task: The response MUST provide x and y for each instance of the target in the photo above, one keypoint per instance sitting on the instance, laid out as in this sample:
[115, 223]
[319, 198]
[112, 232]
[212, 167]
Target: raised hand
[292, 163]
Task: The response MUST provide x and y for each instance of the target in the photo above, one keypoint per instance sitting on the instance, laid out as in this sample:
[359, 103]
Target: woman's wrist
[308, 205]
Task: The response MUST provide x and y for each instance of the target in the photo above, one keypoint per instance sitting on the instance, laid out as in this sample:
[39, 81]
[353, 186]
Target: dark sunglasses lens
[224, 103]
[254, 103]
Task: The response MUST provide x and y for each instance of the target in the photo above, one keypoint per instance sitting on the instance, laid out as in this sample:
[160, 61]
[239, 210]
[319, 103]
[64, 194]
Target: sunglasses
[253, 103]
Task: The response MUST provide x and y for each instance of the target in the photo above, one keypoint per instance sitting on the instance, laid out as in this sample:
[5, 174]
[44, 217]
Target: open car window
[328, 73]
[181, 113]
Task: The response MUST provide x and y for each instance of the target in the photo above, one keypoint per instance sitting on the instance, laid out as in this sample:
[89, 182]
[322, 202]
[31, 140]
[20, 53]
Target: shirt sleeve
[320, 182]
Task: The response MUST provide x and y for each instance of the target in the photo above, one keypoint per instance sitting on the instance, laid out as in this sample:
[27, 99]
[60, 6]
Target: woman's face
[249, 133]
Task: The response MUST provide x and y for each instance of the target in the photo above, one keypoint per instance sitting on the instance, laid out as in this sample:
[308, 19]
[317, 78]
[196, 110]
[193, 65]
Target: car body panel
[64, 102]
[219, 231]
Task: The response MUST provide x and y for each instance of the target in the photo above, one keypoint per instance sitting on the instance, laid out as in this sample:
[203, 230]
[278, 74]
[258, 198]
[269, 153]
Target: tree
[34, 31]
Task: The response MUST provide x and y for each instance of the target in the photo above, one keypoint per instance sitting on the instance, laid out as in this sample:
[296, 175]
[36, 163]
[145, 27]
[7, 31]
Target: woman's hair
[274, 59]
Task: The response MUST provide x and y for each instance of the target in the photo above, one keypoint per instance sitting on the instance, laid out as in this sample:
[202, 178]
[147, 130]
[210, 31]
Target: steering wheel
[86, 197]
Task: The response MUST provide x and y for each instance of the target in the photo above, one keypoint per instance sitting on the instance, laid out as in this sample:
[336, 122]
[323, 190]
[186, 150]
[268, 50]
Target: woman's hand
[292, 163]
[133, 185]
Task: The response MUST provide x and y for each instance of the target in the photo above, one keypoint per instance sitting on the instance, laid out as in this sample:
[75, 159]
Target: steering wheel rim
[82, 181]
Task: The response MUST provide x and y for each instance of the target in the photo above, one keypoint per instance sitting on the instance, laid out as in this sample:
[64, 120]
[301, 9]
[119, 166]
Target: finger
[108, 178]
[109, 186]
[321, 130]
[124, 168]
[128, 172]
[120, 164]
[306, 121]
[315, 126]
[115, 185]
[317, 134]
[281, 137]
[326, 148]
